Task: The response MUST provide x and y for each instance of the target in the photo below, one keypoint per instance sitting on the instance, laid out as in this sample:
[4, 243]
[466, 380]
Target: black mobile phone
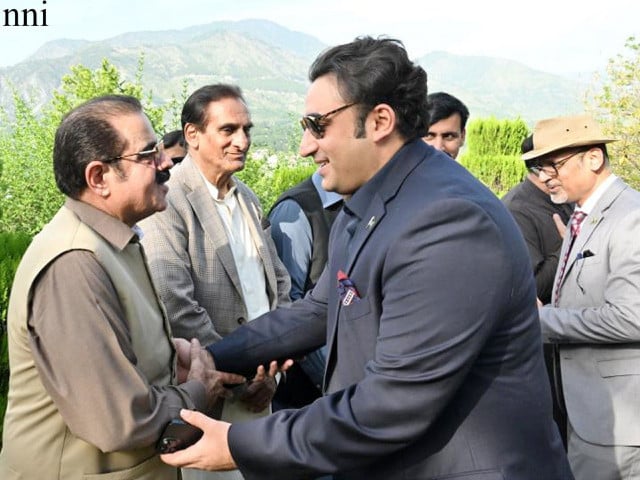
[177, 435]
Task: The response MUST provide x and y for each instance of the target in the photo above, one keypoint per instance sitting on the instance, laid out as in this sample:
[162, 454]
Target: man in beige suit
[594, 315]
[214, 266]
[93, 369]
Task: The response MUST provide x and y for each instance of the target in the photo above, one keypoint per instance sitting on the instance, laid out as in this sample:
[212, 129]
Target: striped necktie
[575, 223]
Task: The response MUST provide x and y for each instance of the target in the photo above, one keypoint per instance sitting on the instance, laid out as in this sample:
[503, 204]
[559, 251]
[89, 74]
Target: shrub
[492, 152]
[498, 172]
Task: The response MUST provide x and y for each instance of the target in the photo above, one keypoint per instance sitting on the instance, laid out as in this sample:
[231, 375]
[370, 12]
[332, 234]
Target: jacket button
[241, 320]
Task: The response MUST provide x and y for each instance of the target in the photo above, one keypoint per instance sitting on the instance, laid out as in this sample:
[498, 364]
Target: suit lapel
[343, 256]
[204, 208]
[364, 229]
[592, 222]
[392, 177]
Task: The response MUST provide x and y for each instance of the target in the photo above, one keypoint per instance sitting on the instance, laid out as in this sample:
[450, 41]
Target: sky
[557, 36]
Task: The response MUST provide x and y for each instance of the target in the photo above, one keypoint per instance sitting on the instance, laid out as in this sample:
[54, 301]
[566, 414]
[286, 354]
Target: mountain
[503, 88]
[270, 63]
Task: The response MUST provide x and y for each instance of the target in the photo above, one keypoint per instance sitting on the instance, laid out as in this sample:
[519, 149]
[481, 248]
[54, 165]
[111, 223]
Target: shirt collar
[138, 231]
[114, 231]
[213, 190]
[589, 205]
[363, 197]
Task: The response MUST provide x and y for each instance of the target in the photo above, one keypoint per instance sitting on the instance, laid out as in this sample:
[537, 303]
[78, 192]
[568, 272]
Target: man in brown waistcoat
[93, 368]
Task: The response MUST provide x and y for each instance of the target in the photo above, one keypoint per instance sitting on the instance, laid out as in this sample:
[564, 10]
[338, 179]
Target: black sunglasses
[317, 123]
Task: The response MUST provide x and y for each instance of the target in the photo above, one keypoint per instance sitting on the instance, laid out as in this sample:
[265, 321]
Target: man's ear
[382, 121]
[595, 159]
[463, 136]
[94, 174]
[191, 135]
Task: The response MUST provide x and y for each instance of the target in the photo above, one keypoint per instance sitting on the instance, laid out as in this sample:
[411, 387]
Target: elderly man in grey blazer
[214, 266]
[594, 317]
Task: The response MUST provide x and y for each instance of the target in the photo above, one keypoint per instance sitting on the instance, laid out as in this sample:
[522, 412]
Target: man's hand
[211, 452]
[560, 226]
[183, 350]
[203, 370]
[261, 389]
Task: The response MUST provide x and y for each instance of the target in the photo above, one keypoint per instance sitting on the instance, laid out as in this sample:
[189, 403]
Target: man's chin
[559, 198]
[238, 165]
[161, 206]
[327, 184]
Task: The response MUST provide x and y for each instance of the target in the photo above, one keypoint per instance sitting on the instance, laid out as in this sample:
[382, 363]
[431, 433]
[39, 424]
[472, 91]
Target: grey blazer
[597, 322]
[192, 263]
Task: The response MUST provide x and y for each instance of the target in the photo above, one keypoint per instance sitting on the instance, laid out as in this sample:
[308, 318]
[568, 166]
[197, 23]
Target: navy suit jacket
[436, 369]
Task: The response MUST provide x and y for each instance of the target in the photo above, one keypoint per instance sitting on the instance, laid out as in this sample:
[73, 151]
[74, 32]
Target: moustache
[162, 176]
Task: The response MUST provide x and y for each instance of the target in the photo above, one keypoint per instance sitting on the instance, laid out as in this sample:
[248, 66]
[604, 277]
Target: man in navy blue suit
[427, 307]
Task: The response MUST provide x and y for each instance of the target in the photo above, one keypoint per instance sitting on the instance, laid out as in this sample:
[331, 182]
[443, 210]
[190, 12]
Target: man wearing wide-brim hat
[594, 315]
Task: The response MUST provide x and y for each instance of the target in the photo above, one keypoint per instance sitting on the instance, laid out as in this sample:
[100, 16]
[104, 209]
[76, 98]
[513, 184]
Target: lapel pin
[594, 220]
[372, 222]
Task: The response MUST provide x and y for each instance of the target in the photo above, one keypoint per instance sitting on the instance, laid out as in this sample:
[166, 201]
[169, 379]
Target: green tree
[615, 101]
[27, 187]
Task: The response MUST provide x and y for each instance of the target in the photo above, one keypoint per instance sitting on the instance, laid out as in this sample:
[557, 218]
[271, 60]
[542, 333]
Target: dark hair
[372, 71]
[195, 108]
[85, 134]
[174, 137]
[442, 105]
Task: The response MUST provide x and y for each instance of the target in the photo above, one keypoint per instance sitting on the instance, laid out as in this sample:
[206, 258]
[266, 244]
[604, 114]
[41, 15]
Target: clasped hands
[196, 363]
[212, 451]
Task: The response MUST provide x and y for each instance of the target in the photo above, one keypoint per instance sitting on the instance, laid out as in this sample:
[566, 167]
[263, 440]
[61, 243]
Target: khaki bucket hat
[556, 133]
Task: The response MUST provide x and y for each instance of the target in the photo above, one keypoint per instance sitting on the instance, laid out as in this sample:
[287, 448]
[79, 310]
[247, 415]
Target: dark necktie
[574, 223]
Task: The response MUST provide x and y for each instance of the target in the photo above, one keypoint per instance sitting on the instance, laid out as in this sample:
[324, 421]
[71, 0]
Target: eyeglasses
[317, 123]
[151, 157]
[551, 169]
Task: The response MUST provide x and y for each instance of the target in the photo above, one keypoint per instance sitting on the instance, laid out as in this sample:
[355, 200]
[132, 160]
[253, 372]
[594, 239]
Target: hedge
[492, 152]
[498, 172]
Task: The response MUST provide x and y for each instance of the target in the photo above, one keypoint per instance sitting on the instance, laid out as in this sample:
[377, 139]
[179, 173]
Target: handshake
[196, 363]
